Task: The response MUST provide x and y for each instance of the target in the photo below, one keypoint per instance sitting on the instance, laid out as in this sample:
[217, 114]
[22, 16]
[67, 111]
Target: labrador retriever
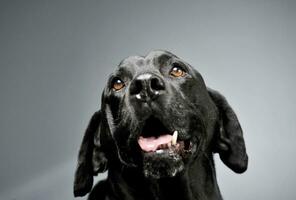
[156, 133]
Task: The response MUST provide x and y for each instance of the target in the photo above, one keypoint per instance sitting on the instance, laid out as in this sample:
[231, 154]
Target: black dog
[156, 133]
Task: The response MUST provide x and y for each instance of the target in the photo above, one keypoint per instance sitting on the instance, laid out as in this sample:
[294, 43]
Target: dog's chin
[167, 163]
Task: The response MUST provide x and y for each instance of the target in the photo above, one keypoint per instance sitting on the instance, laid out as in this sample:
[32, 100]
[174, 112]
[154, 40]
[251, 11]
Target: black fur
[151, 95]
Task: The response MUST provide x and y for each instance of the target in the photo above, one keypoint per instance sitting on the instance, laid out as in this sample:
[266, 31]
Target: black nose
[147, 87]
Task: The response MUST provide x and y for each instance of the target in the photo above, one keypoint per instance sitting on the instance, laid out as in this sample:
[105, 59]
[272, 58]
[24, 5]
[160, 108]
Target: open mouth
[156, 138]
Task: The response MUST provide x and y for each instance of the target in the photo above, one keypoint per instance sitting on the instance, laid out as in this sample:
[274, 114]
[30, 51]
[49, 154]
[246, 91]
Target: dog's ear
[229, 141]
[91, 159]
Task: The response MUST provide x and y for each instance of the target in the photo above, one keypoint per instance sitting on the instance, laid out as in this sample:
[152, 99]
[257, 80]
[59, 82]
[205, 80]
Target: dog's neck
[198, 181]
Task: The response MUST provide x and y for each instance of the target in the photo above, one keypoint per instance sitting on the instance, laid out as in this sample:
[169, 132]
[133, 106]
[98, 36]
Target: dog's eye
[117, 84]
[177, 71]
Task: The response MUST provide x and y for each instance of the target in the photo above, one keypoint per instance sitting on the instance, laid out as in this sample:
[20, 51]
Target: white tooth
[174, 138]
[159, 151]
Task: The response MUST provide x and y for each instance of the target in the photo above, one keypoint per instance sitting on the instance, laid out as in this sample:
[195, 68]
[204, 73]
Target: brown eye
[117, 84]
[177, 71]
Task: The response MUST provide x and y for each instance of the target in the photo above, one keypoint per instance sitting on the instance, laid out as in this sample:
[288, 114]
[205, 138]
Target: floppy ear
[229, 141]
[91, 159]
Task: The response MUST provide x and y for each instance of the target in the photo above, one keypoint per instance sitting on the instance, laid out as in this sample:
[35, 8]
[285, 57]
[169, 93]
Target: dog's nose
[147, 87]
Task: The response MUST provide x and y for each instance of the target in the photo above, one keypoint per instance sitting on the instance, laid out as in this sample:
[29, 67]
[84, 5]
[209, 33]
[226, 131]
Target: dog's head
[158, 115]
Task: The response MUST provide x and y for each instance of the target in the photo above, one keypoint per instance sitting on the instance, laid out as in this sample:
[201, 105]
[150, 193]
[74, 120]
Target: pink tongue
[151, 143]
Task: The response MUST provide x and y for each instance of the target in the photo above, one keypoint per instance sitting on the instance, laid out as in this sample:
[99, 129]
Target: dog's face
[158, 115]
[150, 98]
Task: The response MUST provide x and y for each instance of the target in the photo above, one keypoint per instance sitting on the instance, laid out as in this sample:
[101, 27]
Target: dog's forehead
[153, 58]
[159, 56]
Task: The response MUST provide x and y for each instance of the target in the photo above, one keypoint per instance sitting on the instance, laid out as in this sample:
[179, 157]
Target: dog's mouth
[165, 151]
[156, 138]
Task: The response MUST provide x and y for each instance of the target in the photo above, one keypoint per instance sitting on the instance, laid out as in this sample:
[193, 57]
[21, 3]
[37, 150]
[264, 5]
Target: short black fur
[151, 96]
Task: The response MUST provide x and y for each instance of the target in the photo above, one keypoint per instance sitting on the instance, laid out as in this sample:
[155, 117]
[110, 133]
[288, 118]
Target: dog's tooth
[174, 138]
[159, 151]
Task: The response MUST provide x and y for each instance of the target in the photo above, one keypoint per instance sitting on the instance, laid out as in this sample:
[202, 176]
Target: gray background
[55, 57]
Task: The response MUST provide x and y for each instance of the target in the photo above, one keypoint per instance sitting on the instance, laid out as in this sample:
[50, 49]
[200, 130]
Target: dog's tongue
[151, 143]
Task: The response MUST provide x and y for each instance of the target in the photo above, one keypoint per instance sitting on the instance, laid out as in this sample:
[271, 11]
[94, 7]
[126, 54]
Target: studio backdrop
[55, 57]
